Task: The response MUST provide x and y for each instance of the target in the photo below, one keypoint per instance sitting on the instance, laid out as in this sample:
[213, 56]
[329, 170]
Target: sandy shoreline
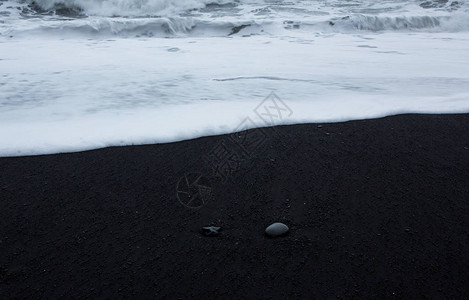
[377, 208]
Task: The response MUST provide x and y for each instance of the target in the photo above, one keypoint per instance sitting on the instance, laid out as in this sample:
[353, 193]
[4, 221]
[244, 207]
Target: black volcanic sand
[377, 208]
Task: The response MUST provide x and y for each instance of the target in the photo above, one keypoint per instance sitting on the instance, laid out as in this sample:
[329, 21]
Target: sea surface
[85, 74]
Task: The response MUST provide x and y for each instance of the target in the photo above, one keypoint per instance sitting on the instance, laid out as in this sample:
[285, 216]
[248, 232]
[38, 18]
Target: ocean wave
[448, 23]
[158, 18]
[190, 26]
[121, 7]
[145, 8]
[135, 27]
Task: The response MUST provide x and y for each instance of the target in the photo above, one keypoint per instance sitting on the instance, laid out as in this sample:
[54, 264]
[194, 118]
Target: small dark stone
[210, 231]
[277, 229]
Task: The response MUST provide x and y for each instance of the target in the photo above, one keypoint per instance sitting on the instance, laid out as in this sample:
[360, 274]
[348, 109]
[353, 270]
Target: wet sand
[376, 208]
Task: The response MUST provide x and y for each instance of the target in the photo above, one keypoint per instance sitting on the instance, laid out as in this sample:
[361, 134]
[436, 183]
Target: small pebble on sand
[276, 229]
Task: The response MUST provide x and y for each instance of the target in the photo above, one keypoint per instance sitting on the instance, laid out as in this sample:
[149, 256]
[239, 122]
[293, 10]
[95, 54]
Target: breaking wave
[122, 7]
[453, 23]
[171, 26]
[162, 18]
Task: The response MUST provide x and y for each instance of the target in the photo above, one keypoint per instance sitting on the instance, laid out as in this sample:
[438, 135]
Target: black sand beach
[377, 209]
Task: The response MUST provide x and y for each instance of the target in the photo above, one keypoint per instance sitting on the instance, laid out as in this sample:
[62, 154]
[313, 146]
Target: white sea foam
[70, 84]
